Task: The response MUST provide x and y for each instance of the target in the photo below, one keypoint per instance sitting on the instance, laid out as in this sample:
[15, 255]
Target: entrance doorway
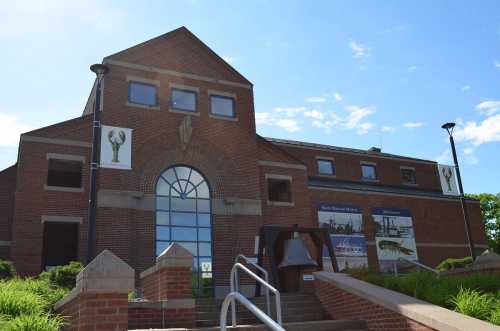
[60, 244]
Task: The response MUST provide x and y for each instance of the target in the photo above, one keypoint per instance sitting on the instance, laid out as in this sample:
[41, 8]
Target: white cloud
[359, 51]
[444, 157]
[496, 64]
[338, 97]
[413, 125]
[470, 156]
[316, 114]
[229, 59]
[288, 124]
[479, 133]
[10, 129]
[387, 128]
[488, 107]
[412, 68]
[316, 99]
[465, 88]
[263, 118]
[356, 116]
[289, 111]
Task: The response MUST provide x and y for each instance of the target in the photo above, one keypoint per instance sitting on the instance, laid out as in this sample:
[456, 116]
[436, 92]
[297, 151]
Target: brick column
[99, 302]
[167, 288]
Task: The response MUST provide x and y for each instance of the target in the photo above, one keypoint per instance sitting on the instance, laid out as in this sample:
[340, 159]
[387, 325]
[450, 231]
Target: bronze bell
[296, 255]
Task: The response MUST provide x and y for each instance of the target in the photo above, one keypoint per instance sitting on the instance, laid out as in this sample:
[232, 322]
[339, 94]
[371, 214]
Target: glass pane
[182, 172]
[204, 234]
[205, 249]
[143, 94]
[162, 203]
[184, 100]
[191, 192]
[179, 204]
[205, 264]
[162, 187]
[203, 219]
[184, 219]
[191, 247]
[161, 246]
[204, 206]
[162, 218]
[325, 167]
[183, 184]
[222, 106]
[184, 234]
[176, 187]
[195, 178]
[203, 191]
[162, 233]
[169, 176]
[369, 172]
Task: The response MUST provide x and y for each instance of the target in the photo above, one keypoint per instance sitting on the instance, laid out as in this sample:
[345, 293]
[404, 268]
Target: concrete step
[324, 325]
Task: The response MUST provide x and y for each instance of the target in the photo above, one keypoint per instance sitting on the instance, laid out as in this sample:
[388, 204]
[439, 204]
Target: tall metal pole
[462, 199]
[100, 70]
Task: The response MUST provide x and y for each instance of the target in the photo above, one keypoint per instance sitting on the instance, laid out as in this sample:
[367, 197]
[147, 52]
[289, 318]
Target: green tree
[490, 212]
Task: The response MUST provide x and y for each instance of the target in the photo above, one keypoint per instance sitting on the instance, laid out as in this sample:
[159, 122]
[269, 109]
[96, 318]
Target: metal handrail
[231, 297]
[266, 278]
[235, 288]
[418, 264]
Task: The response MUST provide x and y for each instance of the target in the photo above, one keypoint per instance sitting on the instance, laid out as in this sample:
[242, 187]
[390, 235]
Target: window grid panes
[408, 176]
[325, 167]
[369, 171]
[183, 100]
[142, 94]
[222, 106]
[183, 216]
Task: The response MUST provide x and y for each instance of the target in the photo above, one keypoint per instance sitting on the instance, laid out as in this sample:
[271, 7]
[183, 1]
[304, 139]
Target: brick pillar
[167, 288]
[99, 302]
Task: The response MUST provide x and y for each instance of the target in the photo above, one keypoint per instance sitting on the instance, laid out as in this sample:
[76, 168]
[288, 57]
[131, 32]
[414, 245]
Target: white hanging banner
[448, 176]
[116, 147]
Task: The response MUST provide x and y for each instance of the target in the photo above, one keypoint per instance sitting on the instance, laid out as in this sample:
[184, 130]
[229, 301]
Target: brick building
[200, 175]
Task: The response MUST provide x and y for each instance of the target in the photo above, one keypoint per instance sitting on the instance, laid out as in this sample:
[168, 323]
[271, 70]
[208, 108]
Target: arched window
[183, 215]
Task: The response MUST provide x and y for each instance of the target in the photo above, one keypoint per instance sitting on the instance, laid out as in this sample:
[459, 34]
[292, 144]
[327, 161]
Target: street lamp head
[99, 69]
[448, 127]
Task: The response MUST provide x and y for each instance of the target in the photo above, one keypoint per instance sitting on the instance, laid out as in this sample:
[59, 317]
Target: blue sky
[346, 73]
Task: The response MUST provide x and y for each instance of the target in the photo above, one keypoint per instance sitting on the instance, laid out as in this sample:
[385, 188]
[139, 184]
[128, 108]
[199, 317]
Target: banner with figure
[345, 225]
[447, 175]
[116, 147]
[394, 236]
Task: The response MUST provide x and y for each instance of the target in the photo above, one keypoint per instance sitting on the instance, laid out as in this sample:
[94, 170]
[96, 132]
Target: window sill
[225, 118]
[138, 105]
[370, 180]
[185, 112]
[410, 184]
[63, 189]
[280, 204]
[327, 176]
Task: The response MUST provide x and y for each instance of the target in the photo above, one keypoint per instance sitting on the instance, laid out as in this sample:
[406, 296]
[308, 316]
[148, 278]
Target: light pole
[100, 70]
[449, 128]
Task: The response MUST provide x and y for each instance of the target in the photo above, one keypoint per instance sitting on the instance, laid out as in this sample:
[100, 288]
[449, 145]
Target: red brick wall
[7, 194]
[152, 318]
[168, 283]
[344, 305]
[97, 312]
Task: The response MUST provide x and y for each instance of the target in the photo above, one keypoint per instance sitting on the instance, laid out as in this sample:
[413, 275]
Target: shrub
[34, 323]
[454, 263]
[7, 269]
[15, 303]
[495, 315]
[49, 293]
[473, 303]
[65, 276]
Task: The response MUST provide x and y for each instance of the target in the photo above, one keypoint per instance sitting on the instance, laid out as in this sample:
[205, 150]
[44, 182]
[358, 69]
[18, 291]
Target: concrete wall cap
[175, 251]
[106, 273]
[433, 316]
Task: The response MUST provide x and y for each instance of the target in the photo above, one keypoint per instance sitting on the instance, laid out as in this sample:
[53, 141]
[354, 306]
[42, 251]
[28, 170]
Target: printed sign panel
[394, 236]
[345, 225]
[447, 175]
[116, 147]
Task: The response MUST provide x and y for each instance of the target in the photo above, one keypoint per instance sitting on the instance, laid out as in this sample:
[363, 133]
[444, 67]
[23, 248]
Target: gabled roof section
[271, 152]
[78, 128]
[180, 50]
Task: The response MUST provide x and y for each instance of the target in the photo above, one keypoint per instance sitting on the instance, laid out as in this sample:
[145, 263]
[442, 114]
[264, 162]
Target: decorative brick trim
[61, 219]
[56, 141]
[63, 189]
[281, 165]
[69, 157]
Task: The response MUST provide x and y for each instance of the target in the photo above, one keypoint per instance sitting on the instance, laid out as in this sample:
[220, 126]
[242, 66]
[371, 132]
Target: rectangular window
[408, 176]
[369, 171]
[279, 190]
[142, 94]
[222, 106]
[183, 100]
[64, 173]
[325, 167]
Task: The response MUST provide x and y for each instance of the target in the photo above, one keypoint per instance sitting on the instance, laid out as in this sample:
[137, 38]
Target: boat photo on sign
[345, 225]
[394, 237]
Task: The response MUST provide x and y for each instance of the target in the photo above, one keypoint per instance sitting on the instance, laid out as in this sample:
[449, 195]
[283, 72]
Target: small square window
[325, 167]
[279, 190]
[183, 100]
[369, 171]
[142, 94]
[64, 173]
[222, 106]
[408, 176]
